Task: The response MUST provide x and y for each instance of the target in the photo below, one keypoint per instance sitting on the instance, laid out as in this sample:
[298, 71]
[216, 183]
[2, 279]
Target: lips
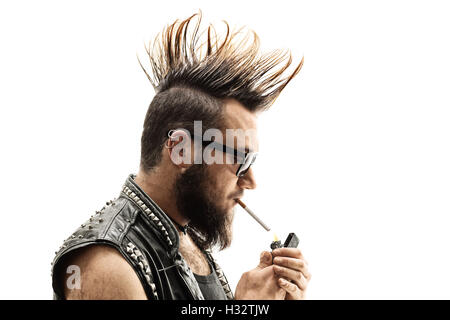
[235, 198]
[238, 194]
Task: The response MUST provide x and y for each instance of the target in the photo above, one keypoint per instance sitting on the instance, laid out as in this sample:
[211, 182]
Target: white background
[354, 154]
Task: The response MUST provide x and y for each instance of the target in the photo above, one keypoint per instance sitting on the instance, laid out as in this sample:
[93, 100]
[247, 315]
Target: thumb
[265, 260]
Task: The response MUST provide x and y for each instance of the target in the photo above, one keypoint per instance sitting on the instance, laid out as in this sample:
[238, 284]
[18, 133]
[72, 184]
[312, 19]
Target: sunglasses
[245, 159]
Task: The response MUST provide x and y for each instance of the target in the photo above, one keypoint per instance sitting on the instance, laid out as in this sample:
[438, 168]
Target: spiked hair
[192, 73]
[224, 67]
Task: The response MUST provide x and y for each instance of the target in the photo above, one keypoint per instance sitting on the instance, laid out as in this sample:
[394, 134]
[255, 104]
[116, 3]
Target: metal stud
[137, 255]
[146, 210]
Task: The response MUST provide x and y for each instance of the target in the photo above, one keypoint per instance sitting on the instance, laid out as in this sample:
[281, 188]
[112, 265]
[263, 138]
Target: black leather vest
[144, 235]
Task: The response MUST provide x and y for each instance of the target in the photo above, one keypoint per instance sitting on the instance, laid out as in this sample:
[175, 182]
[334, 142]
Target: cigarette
[250, 212]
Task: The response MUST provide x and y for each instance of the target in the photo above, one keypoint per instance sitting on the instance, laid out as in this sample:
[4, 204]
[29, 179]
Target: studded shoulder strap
[223, 280]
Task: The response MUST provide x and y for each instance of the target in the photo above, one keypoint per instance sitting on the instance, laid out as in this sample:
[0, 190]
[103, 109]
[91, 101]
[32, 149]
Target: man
[154, 240]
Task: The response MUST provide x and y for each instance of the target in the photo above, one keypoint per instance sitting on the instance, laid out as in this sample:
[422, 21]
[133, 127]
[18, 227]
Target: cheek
[224, 181]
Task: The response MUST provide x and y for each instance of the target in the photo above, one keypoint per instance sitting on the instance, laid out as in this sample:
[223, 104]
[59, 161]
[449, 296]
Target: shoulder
[107, 224]
[99, 272]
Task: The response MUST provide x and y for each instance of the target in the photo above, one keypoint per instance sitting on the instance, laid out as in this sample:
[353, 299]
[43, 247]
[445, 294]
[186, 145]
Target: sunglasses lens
[243, 168]
[241, 172]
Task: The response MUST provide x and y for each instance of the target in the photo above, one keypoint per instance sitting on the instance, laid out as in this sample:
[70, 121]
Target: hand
[292, 270]
[260, 283]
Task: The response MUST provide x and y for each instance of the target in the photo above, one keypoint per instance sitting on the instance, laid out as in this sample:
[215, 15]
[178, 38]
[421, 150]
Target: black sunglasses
[245, 159]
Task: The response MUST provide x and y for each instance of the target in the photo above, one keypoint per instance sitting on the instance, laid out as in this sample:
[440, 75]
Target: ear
[179, 148]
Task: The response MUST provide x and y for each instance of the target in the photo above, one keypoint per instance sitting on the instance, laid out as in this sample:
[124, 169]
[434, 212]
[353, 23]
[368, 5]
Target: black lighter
[290, 242]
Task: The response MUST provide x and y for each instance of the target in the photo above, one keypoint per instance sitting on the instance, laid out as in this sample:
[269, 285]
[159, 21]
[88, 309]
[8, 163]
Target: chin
[230, 206]
[230, 215]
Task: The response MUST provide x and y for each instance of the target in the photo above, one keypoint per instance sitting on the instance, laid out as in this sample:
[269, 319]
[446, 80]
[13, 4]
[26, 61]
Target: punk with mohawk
[155, 240]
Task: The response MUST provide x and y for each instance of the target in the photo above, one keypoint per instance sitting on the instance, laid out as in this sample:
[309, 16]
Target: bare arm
[104, 275]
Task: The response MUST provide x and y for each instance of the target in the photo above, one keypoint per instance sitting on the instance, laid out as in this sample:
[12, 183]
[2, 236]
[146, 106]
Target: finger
[303, 284]
[290, 288]
[265, 260]
[288, 252]
[295, 264]
[290, 274]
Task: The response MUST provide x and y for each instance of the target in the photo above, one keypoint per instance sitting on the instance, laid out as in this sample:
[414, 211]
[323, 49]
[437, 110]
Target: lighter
[290, 242]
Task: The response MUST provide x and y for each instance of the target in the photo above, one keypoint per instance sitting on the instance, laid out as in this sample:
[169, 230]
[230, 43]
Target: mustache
[239, 194]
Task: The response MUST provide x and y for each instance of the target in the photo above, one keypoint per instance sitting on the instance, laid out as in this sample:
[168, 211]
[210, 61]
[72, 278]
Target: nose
[248, 180]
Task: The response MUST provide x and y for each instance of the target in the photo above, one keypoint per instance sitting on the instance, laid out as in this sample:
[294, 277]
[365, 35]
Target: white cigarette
[250, 212]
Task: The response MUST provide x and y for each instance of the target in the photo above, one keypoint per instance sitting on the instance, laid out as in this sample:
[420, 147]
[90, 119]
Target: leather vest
[145, 236]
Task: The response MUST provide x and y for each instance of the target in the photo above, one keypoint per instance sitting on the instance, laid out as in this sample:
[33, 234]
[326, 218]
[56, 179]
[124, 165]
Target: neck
[155, 185]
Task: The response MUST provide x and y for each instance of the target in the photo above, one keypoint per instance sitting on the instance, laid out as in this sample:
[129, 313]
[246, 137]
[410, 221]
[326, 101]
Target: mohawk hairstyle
[193, 73]
[223, 67]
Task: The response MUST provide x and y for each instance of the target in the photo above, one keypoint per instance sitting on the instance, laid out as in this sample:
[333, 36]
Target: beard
[197, 199]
